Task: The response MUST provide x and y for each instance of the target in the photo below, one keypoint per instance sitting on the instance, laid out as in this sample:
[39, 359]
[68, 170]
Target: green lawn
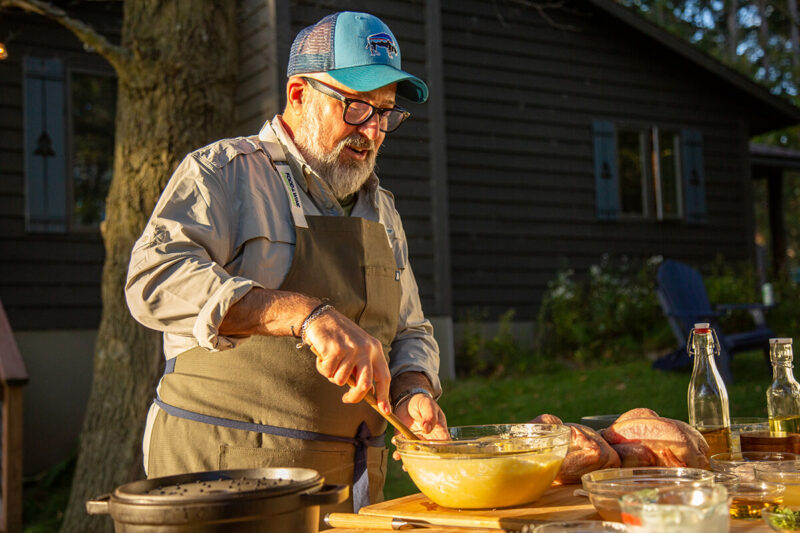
[571, 394]
[566, 393]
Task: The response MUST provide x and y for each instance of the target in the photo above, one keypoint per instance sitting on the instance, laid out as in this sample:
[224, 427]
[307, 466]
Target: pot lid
[218, 485]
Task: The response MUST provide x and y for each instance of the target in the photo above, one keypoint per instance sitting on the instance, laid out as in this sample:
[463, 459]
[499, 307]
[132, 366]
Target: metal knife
[360, 521]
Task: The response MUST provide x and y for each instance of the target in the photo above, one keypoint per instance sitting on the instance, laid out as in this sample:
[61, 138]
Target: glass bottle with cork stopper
[709, 411]
[783, 395]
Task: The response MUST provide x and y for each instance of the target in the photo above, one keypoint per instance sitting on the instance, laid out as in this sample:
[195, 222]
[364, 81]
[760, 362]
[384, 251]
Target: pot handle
[99, 505]
[327, 495]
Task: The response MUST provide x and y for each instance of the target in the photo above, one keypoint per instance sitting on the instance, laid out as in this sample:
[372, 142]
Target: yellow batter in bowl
[487, 466]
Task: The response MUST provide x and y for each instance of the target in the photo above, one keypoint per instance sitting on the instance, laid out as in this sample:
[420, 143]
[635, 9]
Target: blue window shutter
[606, 178]
[694, 177]
[45, 145]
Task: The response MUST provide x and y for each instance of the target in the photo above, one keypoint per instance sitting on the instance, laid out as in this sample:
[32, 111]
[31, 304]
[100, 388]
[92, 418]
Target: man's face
[342, 154]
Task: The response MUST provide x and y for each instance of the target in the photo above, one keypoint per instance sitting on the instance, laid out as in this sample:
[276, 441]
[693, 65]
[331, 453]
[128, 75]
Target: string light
[3, 51]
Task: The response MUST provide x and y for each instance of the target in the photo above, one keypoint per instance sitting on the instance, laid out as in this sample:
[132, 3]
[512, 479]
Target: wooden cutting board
[555, 505]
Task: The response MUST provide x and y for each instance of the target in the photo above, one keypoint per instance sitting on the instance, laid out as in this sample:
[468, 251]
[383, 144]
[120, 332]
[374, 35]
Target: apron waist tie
[362, 439]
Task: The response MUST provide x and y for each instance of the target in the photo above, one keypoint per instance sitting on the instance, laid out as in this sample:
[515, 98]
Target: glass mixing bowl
[499, 465]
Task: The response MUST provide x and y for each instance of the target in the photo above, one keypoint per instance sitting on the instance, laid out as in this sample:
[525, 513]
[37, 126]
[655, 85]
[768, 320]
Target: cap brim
[367, 78]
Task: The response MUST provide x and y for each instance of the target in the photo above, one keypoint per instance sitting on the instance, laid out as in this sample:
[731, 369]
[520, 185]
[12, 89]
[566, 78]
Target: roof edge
[686, 49]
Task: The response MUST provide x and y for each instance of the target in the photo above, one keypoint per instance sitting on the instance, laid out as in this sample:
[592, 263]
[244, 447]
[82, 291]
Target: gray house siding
[521, 99]
[257, 89]
[46, 279]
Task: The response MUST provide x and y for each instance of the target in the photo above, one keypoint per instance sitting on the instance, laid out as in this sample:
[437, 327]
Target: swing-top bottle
[783, 395]
[707, 397]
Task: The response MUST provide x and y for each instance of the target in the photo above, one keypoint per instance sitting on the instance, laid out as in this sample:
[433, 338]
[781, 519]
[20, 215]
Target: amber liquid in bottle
[707, 397]
[783, 394]
[718, 440]
[784, 424]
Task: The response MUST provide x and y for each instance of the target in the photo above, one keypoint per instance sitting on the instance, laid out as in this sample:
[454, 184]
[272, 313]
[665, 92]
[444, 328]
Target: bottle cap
[782, 340]
[702, 325]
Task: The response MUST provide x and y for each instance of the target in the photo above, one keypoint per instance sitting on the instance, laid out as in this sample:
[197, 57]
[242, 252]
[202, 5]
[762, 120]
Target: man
[266, 250]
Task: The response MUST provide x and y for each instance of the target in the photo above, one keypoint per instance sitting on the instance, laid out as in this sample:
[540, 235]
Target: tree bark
[175, 95]
[794, 35]
[763, 36]
[732, 28]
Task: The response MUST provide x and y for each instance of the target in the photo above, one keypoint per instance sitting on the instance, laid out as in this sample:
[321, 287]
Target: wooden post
[777, 226]
[12, 459]
[12, 377]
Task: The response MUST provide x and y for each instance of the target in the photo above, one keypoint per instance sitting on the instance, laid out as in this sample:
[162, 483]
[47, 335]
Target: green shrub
[499, 354]
[610, 315]
[732, 283]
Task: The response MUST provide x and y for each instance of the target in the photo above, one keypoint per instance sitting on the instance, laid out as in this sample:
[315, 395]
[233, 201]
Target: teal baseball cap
[356, 49]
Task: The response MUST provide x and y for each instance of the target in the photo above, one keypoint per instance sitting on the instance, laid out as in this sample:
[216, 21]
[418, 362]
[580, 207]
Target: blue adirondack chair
[683, 298]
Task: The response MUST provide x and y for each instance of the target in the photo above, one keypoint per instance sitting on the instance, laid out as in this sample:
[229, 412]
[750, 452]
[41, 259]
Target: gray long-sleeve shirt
[190, 264]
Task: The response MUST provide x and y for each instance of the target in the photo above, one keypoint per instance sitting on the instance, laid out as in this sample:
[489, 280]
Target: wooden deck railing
[13, 377]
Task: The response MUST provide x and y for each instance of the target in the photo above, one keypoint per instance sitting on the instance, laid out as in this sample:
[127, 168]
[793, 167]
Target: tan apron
[263, 403]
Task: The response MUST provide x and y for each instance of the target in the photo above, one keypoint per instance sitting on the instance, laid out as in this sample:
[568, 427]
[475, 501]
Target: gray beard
[343, 178]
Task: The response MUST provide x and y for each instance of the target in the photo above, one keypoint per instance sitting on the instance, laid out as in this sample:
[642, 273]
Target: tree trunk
[794, 35]
[732, 28]
[763, 37]
[175, 95]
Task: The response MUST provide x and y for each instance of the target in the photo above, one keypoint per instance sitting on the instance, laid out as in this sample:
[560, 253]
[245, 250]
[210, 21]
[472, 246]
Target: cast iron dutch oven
[273, 500]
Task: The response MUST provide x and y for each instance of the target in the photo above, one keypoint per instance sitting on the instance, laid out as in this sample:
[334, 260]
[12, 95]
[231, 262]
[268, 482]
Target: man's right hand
[345, 350]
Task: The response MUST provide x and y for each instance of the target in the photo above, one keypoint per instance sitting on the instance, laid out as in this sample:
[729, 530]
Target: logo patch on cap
[376, 41]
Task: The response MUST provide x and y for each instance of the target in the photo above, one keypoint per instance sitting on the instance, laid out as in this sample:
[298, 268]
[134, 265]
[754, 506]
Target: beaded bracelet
[407, 394]
[312, 316]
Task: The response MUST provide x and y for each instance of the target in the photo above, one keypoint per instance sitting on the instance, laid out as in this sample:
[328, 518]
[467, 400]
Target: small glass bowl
[785, 473]
[725, 479]
[743, 464]
[580, 526]
[605, 487]
[749, 498]
[677, 509]
[777, 519]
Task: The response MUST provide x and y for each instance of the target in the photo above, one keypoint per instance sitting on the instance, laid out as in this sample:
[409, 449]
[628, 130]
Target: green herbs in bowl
[782, 518]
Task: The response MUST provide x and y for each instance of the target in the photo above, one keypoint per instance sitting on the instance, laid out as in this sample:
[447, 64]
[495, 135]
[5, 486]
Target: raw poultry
[638, 437]
[587, 451]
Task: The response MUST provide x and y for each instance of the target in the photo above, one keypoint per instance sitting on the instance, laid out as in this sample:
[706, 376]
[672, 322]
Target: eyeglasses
[357, 112]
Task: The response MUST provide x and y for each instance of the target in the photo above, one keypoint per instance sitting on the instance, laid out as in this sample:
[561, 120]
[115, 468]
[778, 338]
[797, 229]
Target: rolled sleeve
[206, 327]
[176, 283]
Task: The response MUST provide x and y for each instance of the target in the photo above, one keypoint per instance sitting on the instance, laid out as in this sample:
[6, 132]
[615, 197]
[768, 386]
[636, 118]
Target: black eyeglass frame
[333, 93]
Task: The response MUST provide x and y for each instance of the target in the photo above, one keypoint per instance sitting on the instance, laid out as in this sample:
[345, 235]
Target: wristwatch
[407, 394]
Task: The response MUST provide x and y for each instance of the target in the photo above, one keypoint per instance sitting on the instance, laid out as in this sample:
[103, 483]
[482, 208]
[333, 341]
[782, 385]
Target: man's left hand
[424, 417]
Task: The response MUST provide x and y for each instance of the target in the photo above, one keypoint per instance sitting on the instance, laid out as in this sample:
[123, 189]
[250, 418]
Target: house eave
[784, 112]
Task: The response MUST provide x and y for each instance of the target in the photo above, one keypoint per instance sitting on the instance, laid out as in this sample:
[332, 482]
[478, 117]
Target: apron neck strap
[278, 157]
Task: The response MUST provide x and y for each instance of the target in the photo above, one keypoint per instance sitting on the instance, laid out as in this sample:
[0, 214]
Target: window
[632, 176]
[649, 172]
[666, 174]
[69, 146]
[92, 112]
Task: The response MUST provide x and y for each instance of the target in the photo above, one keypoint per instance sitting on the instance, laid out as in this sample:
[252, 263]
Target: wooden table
[557, 504]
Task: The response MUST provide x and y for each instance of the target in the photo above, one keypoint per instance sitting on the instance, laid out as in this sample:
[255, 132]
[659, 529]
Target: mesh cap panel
[312, 49]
